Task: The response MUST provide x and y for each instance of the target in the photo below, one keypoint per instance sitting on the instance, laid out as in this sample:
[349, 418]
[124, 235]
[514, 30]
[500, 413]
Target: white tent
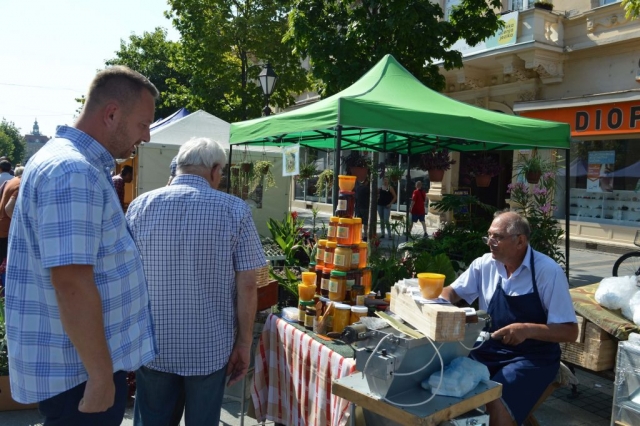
[154, 159]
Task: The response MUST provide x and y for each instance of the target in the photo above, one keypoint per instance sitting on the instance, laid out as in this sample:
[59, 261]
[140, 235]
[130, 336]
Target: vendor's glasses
[494, 239]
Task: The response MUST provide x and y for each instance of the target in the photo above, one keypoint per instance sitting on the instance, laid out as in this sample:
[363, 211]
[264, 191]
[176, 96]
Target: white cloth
[481, 280]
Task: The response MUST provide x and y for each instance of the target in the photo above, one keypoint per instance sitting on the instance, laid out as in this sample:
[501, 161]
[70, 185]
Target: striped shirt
[67, 213]
[193, 239]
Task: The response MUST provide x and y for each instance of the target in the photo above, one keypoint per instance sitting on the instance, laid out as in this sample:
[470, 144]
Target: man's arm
[517, 333]
[246, 306]
[450, 294]
[81, 316]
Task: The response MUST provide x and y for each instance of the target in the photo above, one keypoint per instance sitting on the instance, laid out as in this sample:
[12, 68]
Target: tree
[12, 143]
[632, 8]
[162, 62]
[344, 39]
[226, 43]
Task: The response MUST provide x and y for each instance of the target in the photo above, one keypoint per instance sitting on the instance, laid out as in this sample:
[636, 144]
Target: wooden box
[268, 295]
[441, 323]
[597, 352]
[6, 402]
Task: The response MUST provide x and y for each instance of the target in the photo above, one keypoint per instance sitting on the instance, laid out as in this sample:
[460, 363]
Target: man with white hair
[200, 251]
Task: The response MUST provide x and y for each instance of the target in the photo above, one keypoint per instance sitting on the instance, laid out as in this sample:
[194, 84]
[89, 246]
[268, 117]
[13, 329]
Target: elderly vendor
[527, 296]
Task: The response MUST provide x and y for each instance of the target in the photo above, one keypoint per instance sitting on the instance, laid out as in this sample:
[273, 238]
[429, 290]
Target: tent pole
[408, 195]
[229, 169]
[567, 180]
[336, 167]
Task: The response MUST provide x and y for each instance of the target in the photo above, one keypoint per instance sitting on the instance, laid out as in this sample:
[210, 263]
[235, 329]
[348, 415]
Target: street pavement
[591, 407]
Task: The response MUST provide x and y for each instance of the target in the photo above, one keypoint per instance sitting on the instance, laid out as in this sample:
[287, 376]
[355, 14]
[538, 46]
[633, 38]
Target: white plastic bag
[460, 377]
[616, 292]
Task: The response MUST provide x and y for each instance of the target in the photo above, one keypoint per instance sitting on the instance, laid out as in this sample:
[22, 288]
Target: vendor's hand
[238, 363]
[389, 206]
[99, 394]
[512, 335]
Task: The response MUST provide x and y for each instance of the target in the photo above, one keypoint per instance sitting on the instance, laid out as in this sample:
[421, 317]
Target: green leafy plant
[325, 181]
[307, 171]
[439, 264]
[262, 170]
[394, 172]
[482, 165]
[436, 160]
[543, 5]
[287, 236]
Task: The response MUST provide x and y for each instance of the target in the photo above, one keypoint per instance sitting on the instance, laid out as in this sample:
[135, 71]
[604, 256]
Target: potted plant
[531, 167]
[542, 4]
[325, 181]
[262, 169]
[483, 167]
[436, 162]
[394, 173]
[307, 171]
[245, 167]
[358, 165]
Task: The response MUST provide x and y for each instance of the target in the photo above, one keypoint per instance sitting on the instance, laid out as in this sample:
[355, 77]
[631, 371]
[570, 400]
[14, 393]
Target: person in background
[417, 207]
[75, 280]
[13, 193]
[526, 293]
[125, 176]
[5, 171]
[363, 198]
[8, 190]
[200, 250]
[172, 169]
[386, 197]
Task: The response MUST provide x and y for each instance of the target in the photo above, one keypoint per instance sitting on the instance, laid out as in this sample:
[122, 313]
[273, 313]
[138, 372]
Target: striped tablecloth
[292, 378]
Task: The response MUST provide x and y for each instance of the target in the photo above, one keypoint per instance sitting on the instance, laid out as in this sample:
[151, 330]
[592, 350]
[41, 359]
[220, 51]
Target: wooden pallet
[596, 352]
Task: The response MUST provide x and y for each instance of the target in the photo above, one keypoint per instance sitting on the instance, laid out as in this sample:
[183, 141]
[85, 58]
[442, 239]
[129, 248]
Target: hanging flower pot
[235, 171]
[245, 167]
[533, 177]
[359, 172]
[483, 181]
[436, 175]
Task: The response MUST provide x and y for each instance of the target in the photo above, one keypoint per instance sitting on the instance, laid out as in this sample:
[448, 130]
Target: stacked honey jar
[342, 278]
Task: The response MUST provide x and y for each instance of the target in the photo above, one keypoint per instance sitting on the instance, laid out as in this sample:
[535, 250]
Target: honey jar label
[324, 284]
[331, 232]
[355, 258]
[328, 257]
[343, 232]
[342, 205]
[351, 283]
[320, 255]
[333, 286]
[360, 300]
[339, 260]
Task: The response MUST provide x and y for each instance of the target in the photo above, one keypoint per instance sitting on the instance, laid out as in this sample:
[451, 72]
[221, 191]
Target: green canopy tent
[389, 110]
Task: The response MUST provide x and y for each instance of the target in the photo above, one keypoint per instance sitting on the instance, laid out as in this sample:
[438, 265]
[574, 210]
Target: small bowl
[346, 182]
[431, 284]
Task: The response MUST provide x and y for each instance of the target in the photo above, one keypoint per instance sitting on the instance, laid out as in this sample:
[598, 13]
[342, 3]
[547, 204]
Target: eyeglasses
[494, 239]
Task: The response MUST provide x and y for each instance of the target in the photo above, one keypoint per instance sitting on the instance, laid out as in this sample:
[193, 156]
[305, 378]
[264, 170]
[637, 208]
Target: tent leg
[567, 196]
[229, 169]
[336, 167]
[408, 195]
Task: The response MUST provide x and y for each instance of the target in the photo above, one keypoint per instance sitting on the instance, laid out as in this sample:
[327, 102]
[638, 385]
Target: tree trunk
[373, 202]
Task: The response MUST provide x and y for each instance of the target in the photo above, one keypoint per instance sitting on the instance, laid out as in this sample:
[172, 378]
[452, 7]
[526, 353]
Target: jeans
[384, 212]
[62, 409]
[157, 393]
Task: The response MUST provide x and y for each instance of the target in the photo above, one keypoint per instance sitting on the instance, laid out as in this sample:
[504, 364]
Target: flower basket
[436, 175]
[245, 167]
[533, 177]
[543, 5]
[358, 165]
[436, 160]
[359, 172]
[483, 181]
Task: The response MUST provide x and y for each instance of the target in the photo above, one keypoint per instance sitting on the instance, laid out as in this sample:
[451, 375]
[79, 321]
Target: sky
[51, 49]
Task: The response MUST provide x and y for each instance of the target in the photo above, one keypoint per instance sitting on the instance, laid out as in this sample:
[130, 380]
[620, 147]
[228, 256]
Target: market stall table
[294, 370]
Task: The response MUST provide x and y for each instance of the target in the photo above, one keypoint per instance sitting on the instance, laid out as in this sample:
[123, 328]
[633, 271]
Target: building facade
[34, 141]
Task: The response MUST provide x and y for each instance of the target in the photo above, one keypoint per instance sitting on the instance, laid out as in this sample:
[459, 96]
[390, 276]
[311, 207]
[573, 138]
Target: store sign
[291, 160]
[502, 38]
[593, 120]
[598, 170]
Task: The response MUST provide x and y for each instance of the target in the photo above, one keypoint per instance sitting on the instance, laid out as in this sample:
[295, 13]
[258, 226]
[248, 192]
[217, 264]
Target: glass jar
[309, 318]
[302, 310]
[338, 286]
[333, 229]
[357, 233]
[320, 247]
[357, 290]
[351, 279]
[319, 279]
[345, 234]
[341, 317]
[324, 301]
[326, 278]
[363, 255]
[366, 280]
[358, 312]
[342, 258]
[329, 251]
[346, 204]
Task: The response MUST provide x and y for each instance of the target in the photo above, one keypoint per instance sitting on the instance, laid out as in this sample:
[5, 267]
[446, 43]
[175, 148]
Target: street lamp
[268, 78]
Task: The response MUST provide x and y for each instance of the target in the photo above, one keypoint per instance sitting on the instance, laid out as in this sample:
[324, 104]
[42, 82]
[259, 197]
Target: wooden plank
[441, 323]
[354, 388]
[581, 321]
[593, 332]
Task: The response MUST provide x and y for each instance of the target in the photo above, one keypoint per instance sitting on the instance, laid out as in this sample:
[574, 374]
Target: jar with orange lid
[342, 258]
[329, 251]
[366, 280]
[357, 230]
[320, 247]
[363, 253]
[341, 317]
[332, 231]
[358, 312]
[338, 286]
[345, 231]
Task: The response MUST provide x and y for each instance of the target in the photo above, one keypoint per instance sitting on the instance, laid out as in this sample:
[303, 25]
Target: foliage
[482, 164]
[307, 171]
[394, 172]
[287, 234]
[541, 4]
[532, 164]
[439, 264]
[262, 170]
[224, 46]
[632, 8]
[325, 181]
[162, 62]
[537, 204]
[438, 160]
[356, 159]
[12, 143]
[287, 279]
[4, 357]
[462, 206]
[343, 39]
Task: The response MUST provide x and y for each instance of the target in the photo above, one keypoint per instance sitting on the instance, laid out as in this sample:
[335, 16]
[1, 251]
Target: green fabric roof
[388, 108]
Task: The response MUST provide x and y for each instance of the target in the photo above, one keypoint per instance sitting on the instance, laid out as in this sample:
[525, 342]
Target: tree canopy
[632, 8]
[344, 39]
[12, 143]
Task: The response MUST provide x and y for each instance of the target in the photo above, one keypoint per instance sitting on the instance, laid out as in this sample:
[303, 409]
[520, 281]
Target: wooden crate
[597, 352]
[581, 320]
[268, 295]
[6, 402]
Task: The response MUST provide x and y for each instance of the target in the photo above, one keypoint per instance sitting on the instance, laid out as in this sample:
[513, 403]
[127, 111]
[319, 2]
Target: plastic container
[326, 278]
[357, 233]
[358, 312]
[366, 280]
[338, 286]
[346, 182]
[306, 291]
[345, 229]
[320, 247]
[346, 204]
[364, 251]
[329, 251]
[342, 258]
[333, 229]
[309, 278]
[356, 290]
[341, 317]
[430, 284]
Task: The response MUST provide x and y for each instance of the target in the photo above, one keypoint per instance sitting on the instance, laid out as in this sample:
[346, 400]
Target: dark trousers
[62, 409]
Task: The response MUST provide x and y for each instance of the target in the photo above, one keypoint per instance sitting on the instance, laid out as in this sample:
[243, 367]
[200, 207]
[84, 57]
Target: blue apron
[525, 370]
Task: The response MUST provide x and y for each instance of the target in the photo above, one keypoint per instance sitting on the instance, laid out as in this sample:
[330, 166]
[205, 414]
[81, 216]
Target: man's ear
[111, 115]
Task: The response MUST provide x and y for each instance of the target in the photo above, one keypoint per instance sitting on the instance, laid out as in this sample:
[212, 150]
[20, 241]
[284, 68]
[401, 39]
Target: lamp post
[268, 78]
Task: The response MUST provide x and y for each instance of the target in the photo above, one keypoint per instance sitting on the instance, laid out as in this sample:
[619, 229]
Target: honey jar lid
[338, 273]
[342, 306]
[359, 309]
[331, 244]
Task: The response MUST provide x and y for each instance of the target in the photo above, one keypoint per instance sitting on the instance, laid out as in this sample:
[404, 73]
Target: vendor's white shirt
[481, 280]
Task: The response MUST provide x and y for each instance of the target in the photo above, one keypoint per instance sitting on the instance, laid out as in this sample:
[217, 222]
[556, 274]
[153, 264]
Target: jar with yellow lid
[358, 312]
[338, 286]
[357, 230]
[342, 258]
[329, 251]
[341, 317]
[326, 279]
[366, 280]
[307, 287]
[332, 231]
[363, 253]
[345, 231]
[320, 247]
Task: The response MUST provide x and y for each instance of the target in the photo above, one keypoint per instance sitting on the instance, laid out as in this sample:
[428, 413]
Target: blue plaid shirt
[193, 239]
[67, 213]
